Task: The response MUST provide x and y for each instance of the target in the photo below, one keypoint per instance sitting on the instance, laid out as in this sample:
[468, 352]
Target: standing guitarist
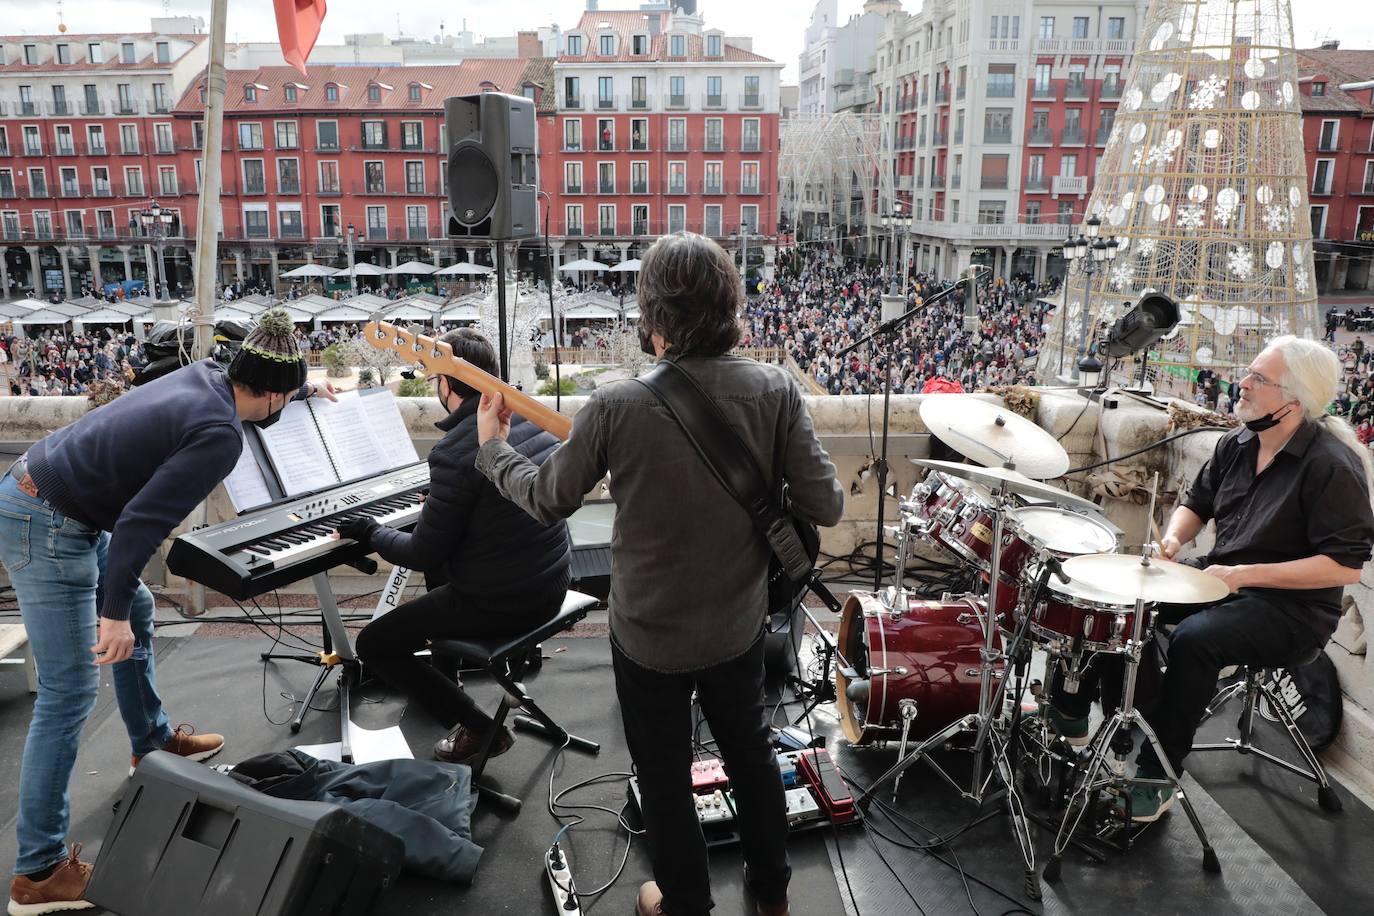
[688, 576]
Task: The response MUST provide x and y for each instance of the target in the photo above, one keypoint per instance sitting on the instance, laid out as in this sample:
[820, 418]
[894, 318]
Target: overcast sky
[777, 26]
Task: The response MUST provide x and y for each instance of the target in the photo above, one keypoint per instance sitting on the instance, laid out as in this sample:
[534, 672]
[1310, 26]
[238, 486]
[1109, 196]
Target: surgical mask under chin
[1268, 421]
[268, 420]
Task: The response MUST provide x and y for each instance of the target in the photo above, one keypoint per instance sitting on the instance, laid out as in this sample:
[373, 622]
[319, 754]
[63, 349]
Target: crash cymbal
[1015, 482]
[1161, 580]
[991, 435]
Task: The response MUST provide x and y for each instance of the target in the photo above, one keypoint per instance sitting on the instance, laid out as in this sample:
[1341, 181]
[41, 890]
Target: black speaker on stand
[493, 179]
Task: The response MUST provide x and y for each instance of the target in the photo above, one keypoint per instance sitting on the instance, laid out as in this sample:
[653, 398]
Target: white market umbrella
[582, 264]
[364, 269]
[630, 266]
[589, 311]
[465, 268]
[462, 312]
[409, 310]
[310, 270]
[413, 267]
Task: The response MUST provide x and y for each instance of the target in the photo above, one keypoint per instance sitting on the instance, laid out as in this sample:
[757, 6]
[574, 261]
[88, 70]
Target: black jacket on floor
[485, 544]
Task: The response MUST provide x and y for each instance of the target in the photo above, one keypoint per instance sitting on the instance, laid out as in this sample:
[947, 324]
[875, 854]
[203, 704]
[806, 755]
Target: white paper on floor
[369, 745]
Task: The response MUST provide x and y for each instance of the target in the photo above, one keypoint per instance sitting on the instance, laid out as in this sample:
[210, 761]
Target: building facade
[994, 114]
[86, 127]
[835, 66]
[659, 125]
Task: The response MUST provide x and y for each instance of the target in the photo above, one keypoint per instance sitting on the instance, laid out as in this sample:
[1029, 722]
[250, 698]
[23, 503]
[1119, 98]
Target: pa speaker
[493, 177]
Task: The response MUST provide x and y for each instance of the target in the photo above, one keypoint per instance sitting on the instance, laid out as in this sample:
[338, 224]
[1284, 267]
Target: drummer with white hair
[1289, 492]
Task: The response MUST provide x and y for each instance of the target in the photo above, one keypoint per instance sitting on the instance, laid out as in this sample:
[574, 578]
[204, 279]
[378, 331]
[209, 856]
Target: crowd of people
[820, 304]
[55, 362]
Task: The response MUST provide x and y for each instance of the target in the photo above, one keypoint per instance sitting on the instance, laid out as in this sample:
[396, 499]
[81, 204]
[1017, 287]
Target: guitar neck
[435, 356]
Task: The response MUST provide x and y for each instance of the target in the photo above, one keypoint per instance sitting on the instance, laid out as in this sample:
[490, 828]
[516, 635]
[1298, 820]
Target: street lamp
[352, 280]
[157, 223]
[893, 262]
[1091, 255]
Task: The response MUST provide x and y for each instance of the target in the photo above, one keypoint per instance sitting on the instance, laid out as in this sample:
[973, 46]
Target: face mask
[646, 342]
[267, 420]
[1268, 421]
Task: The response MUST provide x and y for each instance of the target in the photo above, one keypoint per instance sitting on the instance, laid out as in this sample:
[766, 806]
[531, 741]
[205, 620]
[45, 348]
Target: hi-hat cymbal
[1161, 580]
[991, 435]
[1014, 481]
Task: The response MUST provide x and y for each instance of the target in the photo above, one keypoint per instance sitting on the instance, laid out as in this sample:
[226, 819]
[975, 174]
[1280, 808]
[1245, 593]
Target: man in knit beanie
[84, 511]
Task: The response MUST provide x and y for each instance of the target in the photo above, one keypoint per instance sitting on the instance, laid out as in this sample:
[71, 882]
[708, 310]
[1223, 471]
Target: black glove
[358, 529]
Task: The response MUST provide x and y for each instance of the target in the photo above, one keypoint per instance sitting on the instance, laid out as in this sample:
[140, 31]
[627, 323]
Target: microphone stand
[889, 329]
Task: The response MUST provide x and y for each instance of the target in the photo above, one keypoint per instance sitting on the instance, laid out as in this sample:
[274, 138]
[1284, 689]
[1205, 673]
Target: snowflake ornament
[1206, 94]
[1145, 248]
[1137, 157]
[1121, 275]
[1241, 262]
[1190, 217]
[1300, 279]
[1275, 218]
[1223, 213]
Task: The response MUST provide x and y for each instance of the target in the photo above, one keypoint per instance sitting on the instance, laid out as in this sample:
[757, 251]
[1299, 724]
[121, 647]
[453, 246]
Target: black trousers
[1244, 629]
[657, 712]
[387, 646]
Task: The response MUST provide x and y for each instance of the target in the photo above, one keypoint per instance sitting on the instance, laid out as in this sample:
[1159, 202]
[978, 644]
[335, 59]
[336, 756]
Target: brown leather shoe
[773, 909]
[650, 902]
[463, 746]
[64, 889]
[186, 743]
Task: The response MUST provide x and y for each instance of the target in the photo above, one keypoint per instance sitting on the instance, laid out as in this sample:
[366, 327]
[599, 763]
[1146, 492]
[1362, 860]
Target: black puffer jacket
[487, 546]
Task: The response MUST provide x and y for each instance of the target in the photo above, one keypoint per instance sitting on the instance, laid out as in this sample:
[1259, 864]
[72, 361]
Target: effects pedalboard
[816, 795]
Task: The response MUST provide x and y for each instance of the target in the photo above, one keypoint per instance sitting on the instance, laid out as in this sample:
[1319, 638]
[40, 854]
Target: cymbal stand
[980, 724]
[1114, 736]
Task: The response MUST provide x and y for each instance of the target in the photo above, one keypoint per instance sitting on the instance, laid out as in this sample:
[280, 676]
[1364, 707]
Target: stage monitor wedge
[492, 167]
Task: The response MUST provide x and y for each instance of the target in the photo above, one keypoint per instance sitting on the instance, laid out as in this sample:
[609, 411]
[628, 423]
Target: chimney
[528, 45]
[1332, 44]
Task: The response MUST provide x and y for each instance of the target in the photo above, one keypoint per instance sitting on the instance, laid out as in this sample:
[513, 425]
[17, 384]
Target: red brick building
[659, 124]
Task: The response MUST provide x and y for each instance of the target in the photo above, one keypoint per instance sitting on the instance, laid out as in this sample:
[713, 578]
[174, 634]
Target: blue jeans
[57, 567]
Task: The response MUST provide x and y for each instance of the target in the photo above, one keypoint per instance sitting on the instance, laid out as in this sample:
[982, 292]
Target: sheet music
[383, 416]
[347, 435]
[246, 486]
[296, 452]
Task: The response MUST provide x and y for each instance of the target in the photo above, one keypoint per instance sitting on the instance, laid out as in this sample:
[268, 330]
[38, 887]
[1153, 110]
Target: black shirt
[1312, 499]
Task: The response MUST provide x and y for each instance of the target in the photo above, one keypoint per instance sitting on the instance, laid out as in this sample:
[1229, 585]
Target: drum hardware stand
[822, 690]
[888, 330]
[990, 708]
[1114, 736]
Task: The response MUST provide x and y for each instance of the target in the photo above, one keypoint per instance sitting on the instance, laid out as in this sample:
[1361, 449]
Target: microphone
[1052, 563]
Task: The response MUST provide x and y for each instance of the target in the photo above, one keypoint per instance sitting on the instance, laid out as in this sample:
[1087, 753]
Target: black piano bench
[1254, 683]
[506, 659]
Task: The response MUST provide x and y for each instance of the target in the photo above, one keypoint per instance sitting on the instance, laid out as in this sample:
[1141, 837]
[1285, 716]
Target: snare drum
[925, 651]
[1081, 618]
[1032, 529]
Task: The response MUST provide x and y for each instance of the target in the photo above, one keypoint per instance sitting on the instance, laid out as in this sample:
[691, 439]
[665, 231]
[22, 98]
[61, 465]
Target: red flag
[298, 26]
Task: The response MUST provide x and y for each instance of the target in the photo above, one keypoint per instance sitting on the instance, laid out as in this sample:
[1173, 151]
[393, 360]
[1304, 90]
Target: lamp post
[895, 266]
[157, 222]
[1091, 255]
[352, 280]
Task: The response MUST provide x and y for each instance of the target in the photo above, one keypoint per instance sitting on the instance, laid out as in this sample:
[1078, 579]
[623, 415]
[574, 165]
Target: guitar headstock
[413, 348]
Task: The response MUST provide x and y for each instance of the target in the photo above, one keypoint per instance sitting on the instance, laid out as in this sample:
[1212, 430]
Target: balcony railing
[993, 183]
[1072, 136]
[1037, 184]
[958, 137]
[607, 229]
[124, 106]
[98, 149]
[605, 187]
[8, 191]
[712, 101]
[639, 187]
[749, 146]
[1076, 90]
[1111, 89]
[288, 187]
[954, 182]
[1069, 184]
[40, 191]
[572, 103]
[713, 188]
[159, 106]
[959, 93]
[254, 187]
[675, 101]
[572, 189]
[942, 96]
[639, 102]
[749, 102]
[92, 107]
[997, 136]
[937, 182]
[61, 108]
[747, 189]
[27, 108]
[1041, 136]
[1044, 92]
[1102, 136]
[941, 137]
[605, 103]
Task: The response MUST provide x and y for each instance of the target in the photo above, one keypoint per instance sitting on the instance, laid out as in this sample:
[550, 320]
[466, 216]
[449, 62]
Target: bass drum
[928, 653]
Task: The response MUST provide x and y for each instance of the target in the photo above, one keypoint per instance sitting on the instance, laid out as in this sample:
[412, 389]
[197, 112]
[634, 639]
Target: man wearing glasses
[504, 572]
[1289, 492]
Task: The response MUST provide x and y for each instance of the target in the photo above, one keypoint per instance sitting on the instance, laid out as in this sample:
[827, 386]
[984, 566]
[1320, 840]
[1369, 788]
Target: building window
[606, 219]
[572, 92]
[1065, 215]
[677, 134]
[376, 222]
[994, 177]
[374, 93]
[374, 177]
[288, 176]
[95, 52]
[164, 52]
[572, 214]
[639, 134]
[162, 102]
[992, 212]
[572, 135]
[710, 224]
[250, 135]
[640, 45]
[331, 224]
[95, 139]
[1080, 27]
[329, 176]
[76, 223]
[127, 54]
[412, 135]
[288, 92]
[749, 218]
[415, 95]
[608, 46]
[605, 92]
[572, 178]
[417, 222]
[677, 218]
[751, 92]
[1319, 221]
[1043, 75]
[255, 224]
[38, 183]
[605, 178]
[714, 175]
[1330, 136]
[286, 135]
[289, 223]
[677, 45]
[605, 134]
[374, 135]
[167, 180]
[713, 46]
[574, 45]
[1319, 88]
[250, 93]
[125, 98]
[677, 91]
[254, 177]
[1046, 26]
[1116, 27]
[677, 178]
[715, 135]
[639, 178]
[749, 135]
[1033, 212]
[31, 55]
[997, 125]
[331, 92]
[415, 177]
[33, 142]
[327, 135]
[749, 178]
[133, 181]
[1321, 176]
[64, 54]
[1001, 81]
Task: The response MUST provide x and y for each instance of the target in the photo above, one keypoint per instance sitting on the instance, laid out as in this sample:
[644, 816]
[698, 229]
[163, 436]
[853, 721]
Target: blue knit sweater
[137, 466]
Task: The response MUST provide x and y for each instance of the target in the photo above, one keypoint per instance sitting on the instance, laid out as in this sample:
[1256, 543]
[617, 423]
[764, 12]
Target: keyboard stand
[337, 653]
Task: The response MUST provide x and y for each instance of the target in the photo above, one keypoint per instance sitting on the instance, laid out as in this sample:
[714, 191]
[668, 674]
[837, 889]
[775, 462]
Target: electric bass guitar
[436, 358]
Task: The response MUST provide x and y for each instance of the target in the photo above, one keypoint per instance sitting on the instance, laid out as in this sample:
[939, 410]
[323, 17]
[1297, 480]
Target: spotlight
[1153, 316]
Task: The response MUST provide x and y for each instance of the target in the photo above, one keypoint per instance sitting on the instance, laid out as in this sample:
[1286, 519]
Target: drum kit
[949, 673]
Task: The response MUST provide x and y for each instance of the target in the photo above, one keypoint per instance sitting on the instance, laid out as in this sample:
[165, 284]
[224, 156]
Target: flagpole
[207, 217]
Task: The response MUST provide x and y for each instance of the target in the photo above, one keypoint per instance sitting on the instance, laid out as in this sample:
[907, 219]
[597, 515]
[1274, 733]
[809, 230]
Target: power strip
[558, 867]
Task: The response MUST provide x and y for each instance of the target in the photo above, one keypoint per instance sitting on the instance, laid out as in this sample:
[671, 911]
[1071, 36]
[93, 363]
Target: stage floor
[1279, 852]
